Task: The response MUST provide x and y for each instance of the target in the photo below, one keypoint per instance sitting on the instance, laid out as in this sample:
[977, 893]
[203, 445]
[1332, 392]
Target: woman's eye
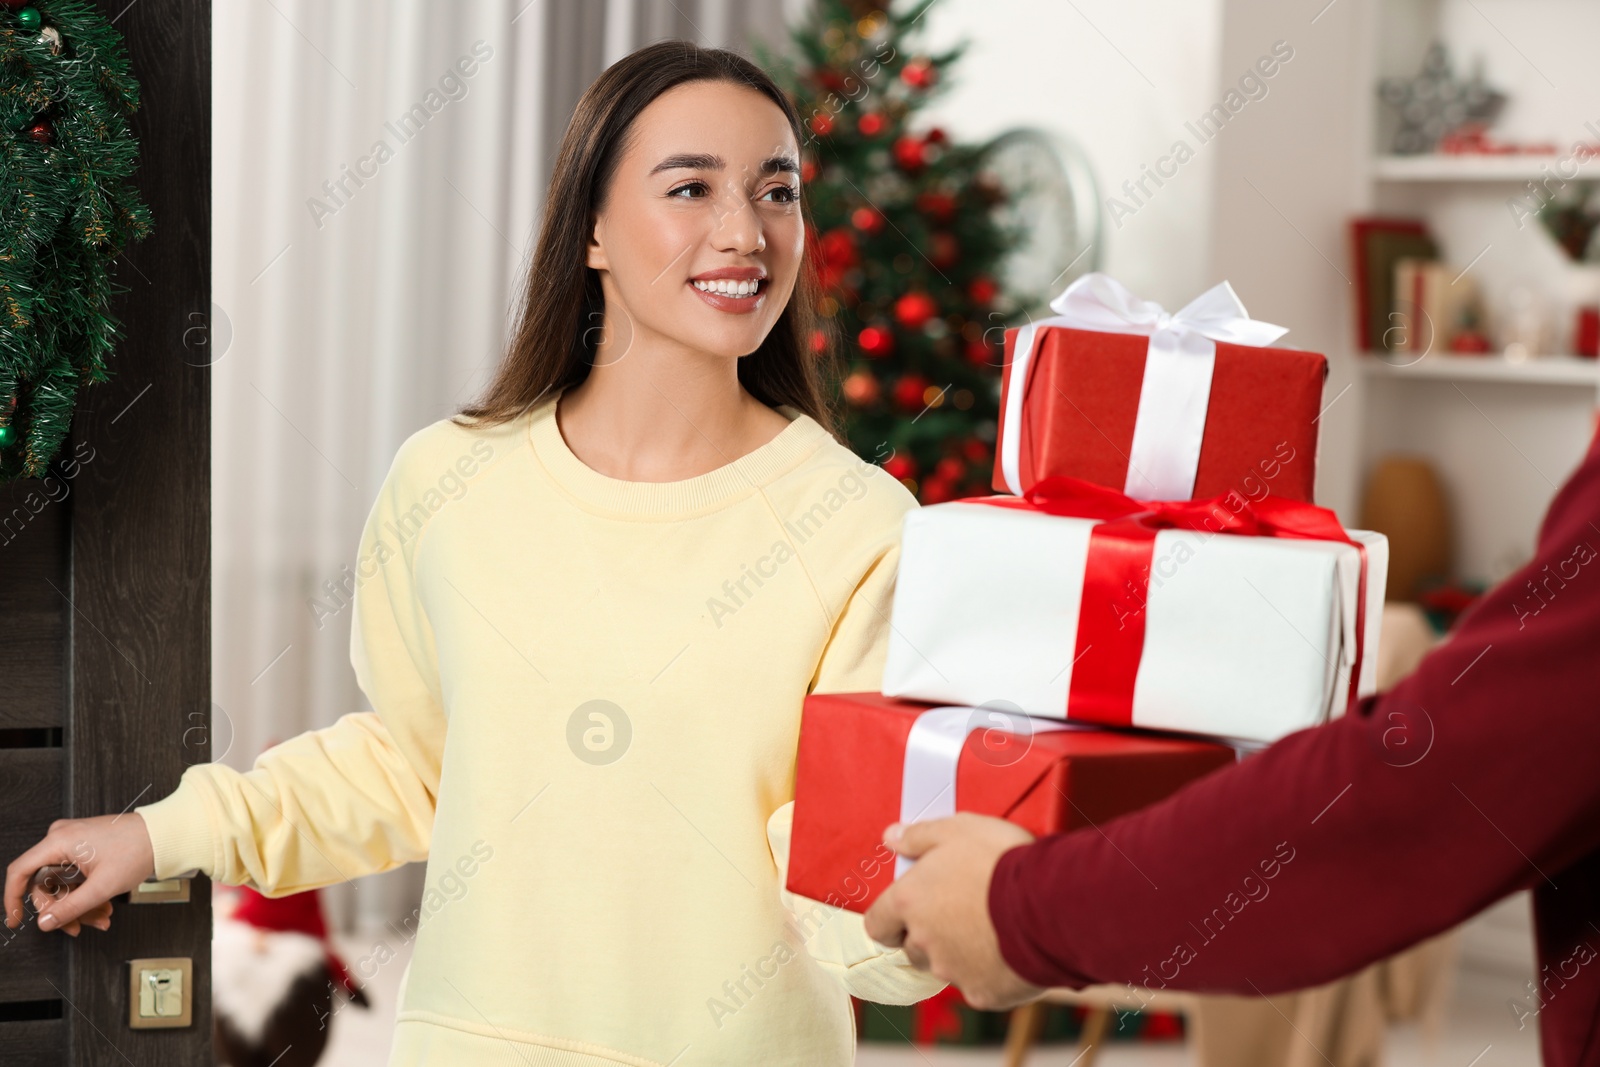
[789, 196]
[689, 185]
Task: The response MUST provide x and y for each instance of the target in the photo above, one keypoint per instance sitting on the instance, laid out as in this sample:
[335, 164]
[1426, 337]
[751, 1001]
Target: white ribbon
[928, 779]
[1177, 376]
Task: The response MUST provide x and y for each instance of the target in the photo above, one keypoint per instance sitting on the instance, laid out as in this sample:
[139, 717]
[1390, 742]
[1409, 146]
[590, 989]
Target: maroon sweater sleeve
[1476, 776]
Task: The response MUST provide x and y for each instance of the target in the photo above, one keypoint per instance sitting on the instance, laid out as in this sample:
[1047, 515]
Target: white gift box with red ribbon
[1225, 634]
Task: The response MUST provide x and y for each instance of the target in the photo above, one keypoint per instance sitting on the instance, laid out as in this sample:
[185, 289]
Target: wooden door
[105, 591]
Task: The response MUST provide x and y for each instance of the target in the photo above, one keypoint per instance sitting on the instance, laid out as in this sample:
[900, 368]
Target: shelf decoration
[1436, 105]
[1377, 244]
[1572, 218]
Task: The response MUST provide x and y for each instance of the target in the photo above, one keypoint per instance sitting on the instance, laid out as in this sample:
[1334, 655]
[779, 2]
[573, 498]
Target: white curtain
[377, 166]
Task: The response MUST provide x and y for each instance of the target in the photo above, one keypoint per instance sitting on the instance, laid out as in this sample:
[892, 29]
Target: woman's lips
[734, 304]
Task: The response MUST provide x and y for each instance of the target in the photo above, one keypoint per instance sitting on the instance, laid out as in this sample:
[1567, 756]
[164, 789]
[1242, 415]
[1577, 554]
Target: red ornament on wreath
[910, 153]
[871, 124]
[875, 341]
[914, 309]
[42, 133]
[944, 250]
[920, 73]
[862, 389]
[910, 392]
[868, 220]
[937, 135]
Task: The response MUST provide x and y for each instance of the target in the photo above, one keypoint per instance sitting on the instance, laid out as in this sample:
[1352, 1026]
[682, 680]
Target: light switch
[160, 992]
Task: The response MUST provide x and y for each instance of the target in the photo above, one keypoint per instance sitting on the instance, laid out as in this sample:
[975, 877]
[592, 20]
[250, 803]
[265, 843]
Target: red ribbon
[1121, 547]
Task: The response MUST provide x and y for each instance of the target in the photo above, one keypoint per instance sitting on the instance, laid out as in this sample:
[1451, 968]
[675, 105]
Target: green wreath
[66, 156]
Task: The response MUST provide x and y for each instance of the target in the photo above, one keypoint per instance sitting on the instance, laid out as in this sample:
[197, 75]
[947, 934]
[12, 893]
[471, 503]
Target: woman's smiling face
[709, 184]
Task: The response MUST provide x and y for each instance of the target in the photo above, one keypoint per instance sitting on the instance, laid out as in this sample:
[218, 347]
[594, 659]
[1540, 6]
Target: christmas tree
[66, 156]
[903, 229]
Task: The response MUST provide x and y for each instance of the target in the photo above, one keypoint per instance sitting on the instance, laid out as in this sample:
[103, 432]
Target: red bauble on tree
[869, 220]
[914, 309]
[871, 124]
[981, 353]
[919, 73]
[976, 451]
[910, 392]
[939, 207]
[944, 250]
[982, 290]
[876, 341]
[822, 125]
[910, 153]
[808, 171]
[862, 389]
[900, 465]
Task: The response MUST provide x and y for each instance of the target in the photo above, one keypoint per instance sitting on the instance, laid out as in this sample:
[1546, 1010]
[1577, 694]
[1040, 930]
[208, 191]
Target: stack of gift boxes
[1149, 595]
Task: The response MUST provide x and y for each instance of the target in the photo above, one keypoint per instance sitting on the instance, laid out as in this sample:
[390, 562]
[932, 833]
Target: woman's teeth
[727, 288]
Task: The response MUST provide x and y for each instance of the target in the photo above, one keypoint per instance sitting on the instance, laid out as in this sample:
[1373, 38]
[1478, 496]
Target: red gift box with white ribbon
[866, 760]
[1116, 391]
[1229, 618]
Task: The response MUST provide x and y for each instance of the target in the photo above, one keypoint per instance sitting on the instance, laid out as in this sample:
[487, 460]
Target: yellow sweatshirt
[586, 700]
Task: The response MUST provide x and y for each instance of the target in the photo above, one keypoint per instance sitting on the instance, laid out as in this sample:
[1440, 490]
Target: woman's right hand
[113, 851]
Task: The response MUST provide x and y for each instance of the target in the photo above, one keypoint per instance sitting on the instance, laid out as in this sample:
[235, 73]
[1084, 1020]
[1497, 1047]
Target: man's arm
[1476, 776]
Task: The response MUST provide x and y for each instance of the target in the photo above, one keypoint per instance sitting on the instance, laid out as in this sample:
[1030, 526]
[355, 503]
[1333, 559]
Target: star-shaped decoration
[1436, 102]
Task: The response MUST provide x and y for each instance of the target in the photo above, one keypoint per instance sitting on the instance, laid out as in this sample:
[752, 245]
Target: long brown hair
[550, 347]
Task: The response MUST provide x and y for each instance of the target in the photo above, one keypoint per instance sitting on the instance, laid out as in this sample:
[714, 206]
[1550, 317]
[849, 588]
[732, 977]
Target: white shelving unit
[1503, 435]
[1515, 169]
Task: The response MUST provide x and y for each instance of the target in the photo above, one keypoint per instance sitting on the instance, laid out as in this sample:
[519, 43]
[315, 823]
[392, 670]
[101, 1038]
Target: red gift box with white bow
[866, 760]
[1115, 390]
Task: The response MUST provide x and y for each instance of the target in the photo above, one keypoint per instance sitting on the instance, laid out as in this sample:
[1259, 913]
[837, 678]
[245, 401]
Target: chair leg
[1022, 1030]
[1095, 1025]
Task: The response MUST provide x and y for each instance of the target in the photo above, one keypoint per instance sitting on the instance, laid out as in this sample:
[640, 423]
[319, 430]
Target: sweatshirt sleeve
[347, 800]
[837, 938]
[1470, 779]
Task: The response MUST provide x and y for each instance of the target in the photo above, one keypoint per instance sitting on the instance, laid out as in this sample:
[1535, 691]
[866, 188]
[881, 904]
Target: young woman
[588, 610]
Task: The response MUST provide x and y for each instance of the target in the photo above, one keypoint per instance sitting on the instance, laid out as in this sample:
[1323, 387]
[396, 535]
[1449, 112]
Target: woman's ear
[595, 253]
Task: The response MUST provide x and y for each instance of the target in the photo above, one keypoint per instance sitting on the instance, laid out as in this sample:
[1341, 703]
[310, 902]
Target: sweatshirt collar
[669, 500]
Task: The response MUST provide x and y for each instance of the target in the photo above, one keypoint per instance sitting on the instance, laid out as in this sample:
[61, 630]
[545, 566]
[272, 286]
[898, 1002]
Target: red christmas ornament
[981, 354]
[822, 125]
[868, 220]
[838, 248]
[862, 388]
[819, 342]
[828, 78]
[975, 450]
[919, 73]
[900, 465]
[910, 153]
[940, 207]
[944, 250]
[875, 342]
[909, 391]
[42, 132]
[808, 171]
[982, 290]
[871, 124]
[914, 309]
[937, 135]
[936, 490]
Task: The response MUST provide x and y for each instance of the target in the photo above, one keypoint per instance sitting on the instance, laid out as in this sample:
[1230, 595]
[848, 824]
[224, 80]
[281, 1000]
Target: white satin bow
[1177, 375]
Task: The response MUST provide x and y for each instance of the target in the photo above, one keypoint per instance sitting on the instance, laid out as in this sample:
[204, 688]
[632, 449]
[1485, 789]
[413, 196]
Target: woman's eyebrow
[703, 161]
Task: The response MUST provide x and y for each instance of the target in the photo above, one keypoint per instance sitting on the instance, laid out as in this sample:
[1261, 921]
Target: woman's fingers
[22, 869]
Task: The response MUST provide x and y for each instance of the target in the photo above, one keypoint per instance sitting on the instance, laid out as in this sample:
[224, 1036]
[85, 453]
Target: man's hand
[938, 911]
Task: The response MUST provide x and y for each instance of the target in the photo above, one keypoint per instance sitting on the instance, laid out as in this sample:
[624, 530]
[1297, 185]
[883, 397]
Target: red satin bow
[1120, 550]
